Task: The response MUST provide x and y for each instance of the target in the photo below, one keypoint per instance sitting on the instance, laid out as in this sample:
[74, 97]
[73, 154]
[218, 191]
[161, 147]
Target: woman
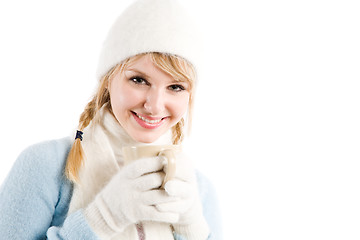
[82, 190]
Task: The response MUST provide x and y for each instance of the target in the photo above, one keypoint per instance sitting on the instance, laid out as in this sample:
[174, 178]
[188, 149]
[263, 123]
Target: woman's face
[147, 101]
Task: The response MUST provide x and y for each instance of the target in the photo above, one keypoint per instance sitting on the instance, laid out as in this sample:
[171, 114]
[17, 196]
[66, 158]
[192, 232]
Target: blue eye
[177, 88]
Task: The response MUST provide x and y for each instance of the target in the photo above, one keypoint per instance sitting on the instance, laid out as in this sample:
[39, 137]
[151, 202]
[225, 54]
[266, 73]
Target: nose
[155, 102]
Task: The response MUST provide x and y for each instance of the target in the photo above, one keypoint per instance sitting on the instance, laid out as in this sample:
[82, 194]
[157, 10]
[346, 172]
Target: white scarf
[102, 144]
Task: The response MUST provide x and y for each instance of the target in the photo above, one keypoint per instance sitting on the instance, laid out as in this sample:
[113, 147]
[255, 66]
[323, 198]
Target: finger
[152, 214]
[184, 168]
[149, 181]
[178, 188]
[155, 197]
[180, 206]
[143, 166]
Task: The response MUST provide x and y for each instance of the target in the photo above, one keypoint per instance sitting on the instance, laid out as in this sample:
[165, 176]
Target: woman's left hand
[184, 188]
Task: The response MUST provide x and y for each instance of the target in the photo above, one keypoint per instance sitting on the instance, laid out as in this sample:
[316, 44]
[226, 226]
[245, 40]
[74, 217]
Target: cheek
[119, 104]
[121, 100]
[117, 101]
[180, 106]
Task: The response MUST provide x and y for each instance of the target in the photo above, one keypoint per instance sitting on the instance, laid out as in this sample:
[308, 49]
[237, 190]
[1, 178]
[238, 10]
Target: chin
[146, 139]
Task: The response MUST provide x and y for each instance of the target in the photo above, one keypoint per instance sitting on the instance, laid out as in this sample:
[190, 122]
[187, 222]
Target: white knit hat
[151, 26]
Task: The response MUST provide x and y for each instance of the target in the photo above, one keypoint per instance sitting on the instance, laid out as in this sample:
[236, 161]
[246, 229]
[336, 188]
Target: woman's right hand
[132, 195]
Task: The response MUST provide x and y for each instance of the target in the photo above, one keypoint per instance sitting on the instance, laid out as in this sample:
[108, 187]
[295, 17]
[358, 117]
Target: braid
[88, 114]
[76, 154]
[102, 98]
[177, 132]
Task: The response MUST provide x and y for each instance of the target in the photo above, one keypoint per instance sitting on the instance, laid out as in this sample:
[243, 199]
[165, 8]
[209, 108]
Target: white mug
[167, 152]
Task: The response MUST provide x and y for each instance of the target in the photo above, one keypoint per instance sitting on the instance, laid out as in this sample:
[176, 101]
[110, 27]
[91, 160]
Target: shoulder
[51, 148]
[204, 184]
[35, 193]
[206, 189]
[48, 154]
[43, 162]
[38, 172]
[210, 204]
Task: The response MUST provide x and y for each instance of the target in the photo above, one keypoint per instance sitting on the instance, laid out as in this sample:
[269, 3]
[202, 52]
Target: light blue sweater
[35, 197]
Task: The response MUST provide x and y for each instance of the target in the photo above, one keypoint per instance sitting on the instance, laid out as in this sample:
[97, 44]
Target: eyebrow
[138, 72]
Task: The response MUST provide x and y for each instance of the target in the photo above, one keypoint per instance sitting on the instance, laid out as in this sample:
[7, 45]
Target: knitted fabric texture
[35, 196]
[102, 145]
[151, 26]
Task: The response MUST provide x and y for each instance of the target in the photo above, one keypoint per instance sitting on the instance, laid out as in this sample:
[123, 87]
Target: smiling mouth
[146, 122]
[149, 121]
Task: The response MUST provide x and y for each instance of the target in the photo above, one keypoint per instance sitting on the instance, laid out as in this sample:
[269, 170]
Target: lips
[147, 121]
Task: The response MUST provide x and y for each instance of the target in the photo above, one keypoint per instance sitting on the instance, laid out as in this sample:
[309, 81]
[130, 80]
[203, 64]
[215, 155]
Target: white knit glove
[131, 197]
[191, 224]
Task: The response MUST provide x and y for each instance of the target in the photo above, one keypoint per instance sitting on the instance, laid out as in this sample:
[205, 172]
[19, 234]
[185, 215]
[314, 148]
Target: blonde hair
[177, 67]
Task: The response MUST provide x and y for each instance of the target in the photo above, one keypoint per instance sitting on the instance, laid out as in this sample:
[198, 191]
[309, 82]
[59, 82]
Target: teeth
[147, 120]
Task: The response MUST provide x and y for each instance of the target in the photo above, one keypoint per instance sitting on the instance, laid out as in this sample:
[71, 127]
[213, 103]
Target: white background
[277, 122]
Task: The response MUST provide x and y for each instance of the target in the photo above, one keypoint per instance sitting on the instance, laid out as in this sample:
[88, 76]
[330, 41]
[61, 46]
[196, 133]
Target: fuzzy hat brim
[151, 26]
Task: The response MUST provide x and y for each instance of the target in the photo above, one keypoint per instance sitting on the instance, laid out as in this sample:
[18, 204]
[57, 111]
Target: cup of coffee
[167, 152]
